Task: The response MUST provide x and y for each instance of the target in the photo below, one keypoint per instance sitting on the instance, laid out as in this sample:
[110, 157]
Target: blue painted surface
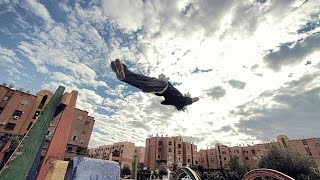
[80, 168]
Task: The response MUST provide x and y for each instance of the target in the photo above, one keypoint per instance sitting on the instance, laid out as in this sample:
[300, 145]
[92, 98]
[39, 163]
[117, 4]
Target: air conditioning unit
[2, 123]
[16, 117]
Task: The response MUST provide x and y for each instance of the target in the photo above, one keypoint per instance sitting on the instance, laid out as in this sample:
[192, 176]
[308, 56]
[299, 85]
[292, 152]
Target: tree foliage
[233, 171]
[289, 162]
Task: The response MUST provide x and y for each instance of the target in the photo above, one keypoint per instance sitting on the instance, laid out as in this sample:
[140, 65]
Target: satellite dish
[21, 89]
[11, 85]
[4, 84]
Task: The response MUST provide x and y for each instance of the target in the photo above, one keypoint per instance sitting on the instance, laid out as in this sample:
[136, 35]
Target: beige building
[122, 152]
[249, 156]
[169, 152]
[79, 135]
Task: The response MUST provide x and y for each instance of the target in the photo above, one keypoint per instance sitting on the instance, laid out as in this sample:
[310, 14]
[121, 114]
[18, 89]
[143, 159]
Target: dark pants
[145, 83]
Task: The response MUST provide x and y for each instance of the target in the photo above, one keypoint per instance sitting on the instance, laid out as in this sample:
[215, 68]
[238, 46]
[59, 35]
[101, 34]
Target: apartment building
[169, 152]
[249, 156]
[19, 110]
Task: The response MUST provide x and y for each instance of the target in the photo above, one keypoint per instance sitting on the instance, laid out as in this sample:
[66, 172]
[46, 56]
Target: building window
[29, 126]
[6, 98]
[74, 138]
[17, 114]
[202, 159]
[179, 152]
[159, 143]
[253, 151]
[84, 132]
[10, 126]
[48, 133]
[43, 101]
[223, 152]
[69, 149]
[225, 158]
[212, 159]
[24, 102]
[36, 114]
[179, 145]
[159, 149]
[169, 150]
[245, 152]
[170, 143]
[188, 160]
[1, 109]
[236, 151]
[304, 142]
[86, 123]
[80, 118]
[247, 158]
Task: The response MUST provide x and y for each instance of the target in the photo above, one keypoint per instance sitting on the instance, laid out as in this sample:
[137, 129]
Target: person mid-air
[159, 86]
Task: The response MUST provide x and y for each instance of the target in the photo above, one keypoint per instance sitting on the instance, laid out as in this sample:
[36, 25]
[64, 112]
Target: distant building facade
[123, 152]
[249, 156]
[169, 152]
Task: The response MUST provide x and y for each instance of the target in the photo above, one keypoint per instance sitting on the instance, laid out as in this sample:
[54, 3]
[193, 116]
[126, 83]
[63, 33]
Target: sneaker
[195, 99]
[114, 69]
[119, 70]
[113, 66]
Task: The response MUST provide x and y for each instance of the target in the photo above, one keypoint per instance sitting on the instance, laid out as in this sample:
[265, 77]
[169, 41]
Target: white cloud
[227, 40]
[39, 10]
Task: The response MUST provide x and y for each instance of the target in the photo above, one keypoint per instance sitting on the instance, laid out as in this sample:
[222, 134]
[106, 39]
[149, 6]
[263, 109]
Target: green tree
[289, 162]
[234, 169]
[216, 175]
[125, 170]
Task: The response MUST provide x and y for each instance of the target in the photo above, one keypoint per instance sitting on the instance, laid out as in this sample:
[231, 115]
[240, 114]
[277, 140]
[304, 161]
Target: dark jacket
[173, 96]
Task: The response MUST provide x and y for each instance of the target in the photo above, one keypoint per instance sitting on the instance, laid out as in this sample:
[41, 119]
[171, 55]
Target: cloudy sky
[253, 63]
